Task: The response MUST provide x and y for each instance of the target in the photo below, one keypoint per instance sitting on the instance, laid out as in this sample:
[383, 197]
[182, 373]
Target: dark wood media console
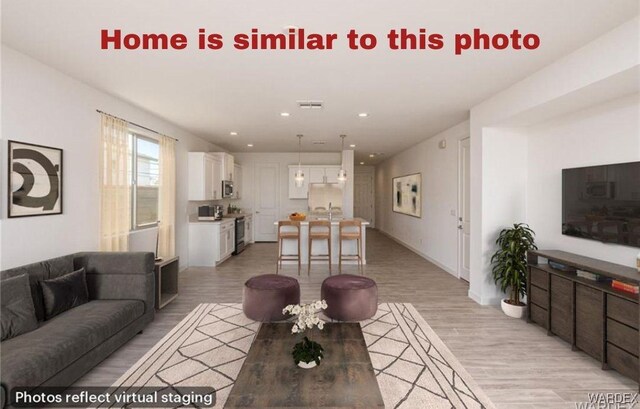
[590, 315]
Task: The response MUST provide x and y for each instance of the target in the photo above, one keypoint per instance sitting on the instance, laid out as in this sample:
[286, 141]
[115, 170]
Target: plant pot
[513, 311]
[307, 365]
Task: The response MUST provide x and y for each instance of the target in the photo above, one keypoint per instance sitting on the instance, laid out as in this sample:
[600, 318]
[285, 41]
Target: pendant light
[342, 174]
[299, 175]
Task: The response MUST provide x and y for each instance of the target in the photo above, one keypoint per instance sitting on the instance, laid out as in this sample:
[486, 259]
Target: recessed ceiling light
[363, 115]
[250, 145]
[284, 114]
[233, 133]
[362, 163]
[353, 145]
[372, 155]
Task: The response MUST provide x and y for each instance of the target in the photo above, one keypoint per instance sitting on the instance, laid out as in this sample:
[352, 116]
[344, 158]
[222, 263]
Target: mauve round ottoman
[350, 297]
[266, 295]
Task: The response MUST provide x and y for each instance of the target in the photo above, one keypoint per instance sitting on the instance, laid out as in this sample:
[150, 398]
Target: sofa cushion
[64, 293]
[37, 272]
[32, 358]
[18, 314]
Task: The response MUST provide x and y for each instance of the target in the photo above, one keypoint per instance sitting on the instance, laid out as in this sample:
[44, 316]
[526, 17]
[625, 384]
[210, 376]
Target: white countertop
[334, 222]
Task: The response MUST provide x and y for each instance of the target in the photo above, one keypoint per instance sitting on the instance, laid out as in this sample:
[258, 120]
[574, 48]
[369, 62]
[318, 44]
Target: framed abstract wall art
[35, 180]
[407, 195]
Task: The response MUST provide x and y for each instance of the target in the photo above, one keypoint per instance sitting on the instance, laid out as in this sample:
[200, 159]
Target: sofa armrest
[119, 276]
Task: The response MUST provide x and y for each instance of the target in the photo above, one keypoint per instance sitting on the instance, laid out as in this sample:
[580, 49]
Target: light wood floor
[517, 364]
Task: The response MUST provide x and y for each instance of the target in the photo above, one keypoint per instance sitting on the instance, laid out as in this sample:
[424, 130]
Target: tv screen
[602, 203]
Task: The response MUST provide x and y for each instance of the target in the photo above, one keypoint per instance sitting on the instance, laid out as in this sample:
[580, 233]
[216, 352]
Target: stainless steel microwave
[227, 188]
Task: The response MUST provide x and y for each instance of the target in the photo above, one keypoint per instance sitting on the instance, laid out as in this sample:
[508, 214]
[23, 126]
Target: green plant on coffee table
[510, 261]
[306, 351]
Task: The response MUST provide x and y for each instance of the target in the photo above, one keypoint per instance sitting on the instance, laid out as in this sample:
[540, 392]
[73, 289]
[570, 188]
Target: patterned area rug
[413, 367]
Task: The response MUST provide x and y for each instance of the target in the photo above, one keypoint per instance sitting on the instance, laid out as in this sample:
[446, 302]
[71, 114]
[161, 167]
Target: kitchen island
[320, 246]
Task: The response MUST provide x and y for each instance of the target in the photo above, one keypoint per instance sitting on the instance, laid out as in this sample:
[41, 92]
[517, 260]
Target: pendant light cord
[299, 151]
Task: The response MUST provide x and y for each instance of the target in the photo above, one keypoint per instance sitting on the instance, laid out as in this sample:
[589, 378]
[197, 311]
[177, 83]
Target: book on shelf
[626, 287]
[587, 275]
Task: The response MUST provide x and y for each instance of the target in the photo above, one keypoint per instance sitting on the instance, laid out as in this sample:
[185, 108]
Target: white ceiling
[409, 95]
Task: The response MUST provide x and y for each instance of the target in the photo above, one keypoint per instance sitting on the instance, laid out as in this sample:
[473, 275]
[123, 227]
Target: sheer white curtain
[115, 190]
[167, 205]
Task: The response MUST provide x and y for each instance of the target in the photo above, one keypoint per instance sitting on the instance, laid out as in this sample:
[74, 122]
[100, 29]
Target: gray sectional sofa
[62, 349]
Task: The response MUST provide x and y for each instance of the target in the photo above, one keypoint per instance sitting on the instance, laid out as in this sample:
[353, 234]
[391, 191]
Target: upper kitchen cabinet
[323, 174]
[312, 174]
[237, 180]
[331, 174]
[227, 165]
[205, 176]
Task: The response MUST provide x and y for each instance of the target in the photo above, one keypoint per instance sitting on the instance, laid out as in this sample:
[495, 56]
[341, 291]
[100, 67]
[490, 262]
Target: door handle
[460, 227]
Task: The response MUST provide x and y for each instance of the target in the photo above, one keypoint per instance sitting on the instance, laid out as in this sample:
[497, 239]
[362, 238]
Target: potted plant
[306, 353]
[510, 266]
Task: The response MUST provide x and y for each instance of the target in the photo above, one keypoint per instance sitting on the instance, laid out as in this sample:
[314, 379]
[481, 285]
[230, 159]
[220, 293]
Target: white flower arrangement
[307, 315]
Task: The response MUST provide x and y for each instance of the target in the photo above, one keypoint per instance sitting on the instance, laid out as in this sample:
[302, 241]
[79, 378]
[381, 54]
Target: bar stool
[319, 230]
[351, 230]
[288, 235]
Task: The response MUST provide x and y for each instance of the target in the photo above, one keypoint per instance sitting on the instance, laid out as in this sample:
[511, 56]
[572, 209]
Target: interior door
[464, 212]
[267, 203]
[363, 203]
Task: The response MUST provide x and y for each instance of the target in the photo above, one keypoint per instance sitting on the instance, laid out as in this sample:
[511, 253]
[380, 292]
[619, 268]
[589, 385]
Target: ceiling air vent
[319, 142]
[310, 104]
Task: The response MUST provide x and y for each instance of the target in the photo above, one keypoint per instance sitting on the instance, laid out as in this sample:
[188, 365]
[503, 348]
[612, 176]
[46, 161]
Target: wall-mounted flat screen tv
[602, 203]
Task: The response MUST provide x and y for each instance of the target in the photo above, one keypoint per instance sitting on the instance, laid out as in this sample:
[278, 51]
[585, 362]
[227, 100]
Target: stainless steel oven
[239, 235]
[227, 188]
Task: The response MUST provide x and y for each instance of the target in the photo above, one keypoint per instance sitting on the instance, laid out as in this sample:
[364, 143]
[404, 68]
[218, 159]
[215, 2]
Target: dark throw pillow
[63, 293]
[18, 314]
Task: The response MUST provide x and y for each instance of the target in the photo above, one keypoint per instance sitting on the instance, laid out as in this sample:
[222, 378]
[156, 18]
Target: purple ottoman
[266, 295]
[350, 297]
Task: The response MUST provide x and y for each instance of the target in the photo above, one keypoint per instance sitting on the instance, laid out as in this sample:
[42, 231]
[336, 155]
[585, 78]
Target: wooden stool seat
[319, 230]
[288, 235]
[351, 230]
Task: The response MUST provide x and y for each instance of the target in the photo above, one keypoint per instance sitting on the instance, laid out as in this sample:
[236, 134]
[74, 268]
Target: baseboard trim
[475, 297]
[421, 254]
[484, 301]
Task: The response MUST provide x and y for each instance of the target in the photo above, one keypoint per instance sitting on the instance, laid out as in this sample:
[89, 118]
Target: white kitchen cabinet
[316, 175]
[312, 174]
[205, 176]
[296, 192]
[228, 238]
[227, 163]
[331, 174]
[211, 243]
[237, 180]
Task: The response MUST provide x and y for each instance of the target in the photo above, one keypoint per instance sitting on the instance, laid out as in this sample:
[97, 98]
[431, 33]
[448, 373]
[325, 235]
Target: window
[145, 181]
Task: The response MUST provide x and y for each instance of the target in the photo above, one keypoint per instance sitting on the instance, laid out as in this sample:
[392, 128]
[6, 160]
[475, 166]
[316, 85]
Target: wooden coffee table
[270, 379]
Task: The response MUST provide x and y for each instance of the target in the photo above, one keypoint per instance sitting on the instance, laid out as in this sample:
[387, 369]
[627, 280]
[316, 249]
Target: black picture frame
[49, 170]
[394, 193]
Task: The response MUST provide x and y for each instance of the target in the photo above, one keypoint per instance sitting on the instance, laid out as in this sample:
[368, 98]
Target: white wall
[606, 57]
[606, 133]
[248, 161]
[43, 106]
[435, 235]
